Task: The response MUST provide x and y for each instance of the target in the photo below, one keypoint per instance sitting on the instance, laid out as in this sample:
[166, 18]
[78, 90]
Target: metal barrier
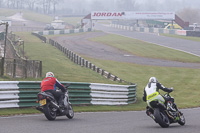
[24, 93]
[57, 32]
[85, 63]
[151, 30]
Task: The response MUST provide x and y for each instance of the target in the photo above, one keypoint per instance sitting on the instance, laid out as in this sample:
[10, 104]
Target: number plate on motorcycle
[42, 102]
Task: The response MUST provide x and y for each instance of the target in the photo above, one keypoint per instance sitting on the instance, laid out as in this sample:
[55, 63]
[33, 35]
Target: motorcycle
[49, 106]
[164, 115]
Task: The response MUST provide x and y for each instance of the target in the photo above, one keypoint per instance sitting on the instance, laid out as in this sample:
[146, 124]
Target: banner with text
[132, 15]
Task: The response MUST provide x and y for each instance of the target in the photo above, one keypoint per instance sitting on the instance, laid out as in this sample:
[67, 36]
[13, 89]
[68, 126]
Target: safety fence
[80, 60]
[158, 30]
[58, 32]
[24, 93]
[85, 63]
[150, 30]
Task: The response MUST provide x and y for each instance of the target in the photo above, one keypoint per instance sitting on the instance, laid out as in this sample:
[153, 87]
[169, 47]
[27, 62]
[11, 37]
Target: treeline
[44, 6]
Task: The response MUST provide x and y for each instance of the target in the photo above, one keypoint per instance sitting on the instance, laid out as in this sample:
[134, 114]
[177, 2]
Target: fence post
[33, 68]
[2, 66]
[83, 62]
[94, 67]
[86, 62]
[74, 58]
[25, 68]
[90, 65]
[97, 70]
[40, 68]
[115, 78]
[69, 54]
[80, 59]
[72, 54]
[77, 57]
[14, 68]
[108, 75]
[102, 72]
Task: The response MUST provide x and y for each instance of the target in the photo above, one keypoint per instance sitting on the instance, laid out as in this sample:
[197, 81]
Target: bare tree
[30, 4]
[97, 5]
[54, 3]
[126, 5]
[190, 14]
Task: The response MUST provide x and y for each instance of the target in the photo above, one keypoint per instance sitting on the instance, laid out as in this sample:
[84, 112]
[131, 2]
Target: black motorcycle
[49, 106]
[165, 114]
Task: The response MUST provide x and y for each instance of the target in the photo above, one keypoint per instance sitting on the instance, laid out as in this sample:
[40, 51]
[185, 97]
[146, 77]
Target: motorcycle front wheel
[161, 118]
[49, 113]
[70, 113]
[181, 120]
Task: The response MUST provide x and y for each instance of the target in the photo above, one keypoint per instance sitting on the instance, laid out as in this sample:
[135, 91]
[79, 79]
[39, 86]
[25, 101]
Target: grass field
[183, 37]
[37, 17]
[7, 12]
[184, 80]
[48, 19]
[55, 61]
[72, 20]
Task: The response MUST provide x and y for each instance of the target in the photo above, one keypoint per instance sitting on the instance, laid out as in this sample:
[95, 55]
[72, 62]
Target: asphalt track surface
[100, 122]
[81, 45]
[188, 46]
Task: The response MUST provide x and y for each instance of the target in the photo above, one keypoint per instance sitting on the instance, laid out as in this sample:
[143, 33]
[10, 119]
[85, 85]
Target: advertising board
[159, 15]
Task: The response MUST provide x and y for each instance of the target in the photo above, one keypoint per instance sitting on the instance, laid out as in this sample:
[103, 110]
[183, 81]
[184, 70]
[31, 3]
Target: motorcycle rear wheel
[161, 118]
[49, 113]
[70, 113]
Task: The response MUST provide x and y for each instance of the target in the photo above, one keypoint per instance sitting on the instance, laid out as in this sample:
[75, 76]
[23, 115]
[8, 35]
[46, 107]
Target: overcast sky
[139, 5]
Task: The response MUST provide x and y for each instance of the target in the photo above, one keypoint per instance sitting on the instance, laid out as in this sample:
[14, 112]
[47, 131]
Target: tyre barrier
[15, 94]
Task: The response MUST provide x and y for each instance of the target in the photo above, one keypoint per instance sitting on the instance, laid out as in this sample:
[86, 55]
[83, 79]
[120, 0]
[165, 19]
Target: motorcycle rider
[49, 84]
[151, 92]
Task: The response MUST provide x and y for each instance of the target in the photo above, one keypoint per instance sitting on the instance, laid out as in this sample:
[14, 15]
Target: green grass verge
[8, 12]
[184, 80]
[38, 17]
[144, 49]
[75, 21]
[55, 61]
[29, 15]
[183, 37]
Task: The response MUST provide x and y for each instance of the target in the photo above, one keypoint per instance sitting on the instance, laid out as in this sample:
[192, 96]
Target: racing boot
[61, 102]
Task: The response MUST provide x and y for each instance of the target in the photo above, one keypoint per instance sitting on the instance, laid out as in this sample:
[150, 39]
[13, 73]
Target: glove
[172, 89]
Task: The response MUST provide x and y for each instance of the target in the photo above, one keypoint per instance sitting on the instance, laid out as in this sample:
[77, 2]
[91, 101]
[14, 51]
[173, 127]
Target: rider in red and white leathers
[49, 84]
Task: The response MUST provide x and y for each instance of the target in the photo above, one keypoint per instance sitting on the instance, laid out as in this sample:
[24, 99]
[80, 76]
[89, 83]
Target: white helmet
[49, 74]
[153, 80]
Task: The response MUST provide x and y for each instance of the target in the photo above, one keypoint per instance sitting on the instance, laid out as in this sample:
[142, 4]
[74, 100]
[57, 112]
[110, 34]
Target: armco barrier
[152, 30]
[79, 60]
[24, 93]
[58, 32]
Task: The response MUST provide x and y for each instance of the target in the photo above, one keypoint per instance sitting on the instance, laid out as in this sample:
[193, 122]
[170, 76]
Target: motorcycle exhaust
[56, 106]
